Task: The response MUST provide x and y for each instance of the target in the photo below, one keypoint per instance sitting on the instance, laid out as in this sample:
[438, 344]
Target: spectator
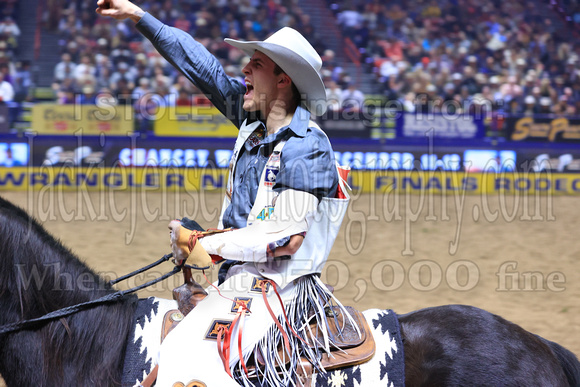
[184, 98]
[545, 105]
[9, 32]
[84, 69]
[22, 81]
[103, 79]
[142, 89]
[350, 20]
[388, 68]
[530, 106]
[122, 92]
[65, 69]
[88, 96]
[66, 94]
[6, 90]
[123, 73]
[352, 99]
[334, 96]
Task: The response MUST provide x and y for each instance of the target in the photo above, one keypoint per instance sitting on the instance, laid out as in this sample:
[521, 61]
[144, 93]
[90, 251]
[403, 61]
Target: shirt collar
[298, 125]
[300, 120]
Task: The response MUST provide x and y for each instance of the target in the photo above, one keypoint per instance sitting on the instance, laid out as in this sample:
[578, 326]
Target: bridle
[113, 297]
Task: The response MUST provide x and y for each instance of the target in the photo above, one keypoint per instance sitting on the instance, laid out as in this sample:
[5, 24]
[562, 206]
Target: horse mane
[38, 274]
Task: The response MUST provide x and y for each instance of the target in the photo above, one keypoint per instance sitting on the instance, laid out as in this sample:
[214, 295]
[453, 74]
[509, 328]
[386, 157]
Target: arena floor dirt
[393, 251]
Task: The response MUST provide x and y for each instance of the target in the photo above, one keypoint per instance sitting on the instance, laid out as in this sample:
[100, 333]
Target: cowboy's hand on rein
[184, 245]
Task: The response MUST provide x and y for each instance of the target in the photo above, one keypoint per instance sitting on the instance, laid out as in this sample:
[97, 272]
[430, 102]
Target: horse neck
[39, 275]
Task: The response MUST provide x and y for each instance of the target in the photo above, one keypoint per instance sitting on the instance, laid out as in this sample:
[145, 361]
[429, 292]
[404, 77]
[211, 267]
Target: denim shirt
[307, 161]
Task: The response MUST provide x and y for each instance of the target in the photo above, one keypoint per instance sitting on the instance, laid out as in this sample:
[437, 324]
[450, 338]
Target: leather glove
[183, 242]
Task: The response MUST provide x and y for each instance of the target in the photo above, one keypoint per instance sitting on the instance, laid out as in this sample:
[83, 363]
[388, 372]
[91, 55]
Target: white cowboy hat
[292, 52]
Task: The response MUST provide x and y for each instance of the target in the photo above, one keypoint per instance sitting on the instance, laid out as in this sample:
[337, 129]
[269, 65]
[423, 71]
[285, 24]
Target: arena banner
[545, 128]
[203, 152]
[14, 154]
[357, 124]
[454, 183]
[179, 152]
[80, 119]
[153, 179]
[192, 121]
[550, 160]
[439, 126]
[71, 178]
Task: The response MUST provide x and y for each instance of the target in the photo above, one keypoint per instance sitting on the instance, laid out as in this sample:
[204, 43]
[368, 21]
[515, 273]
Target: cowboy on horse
[283, 207]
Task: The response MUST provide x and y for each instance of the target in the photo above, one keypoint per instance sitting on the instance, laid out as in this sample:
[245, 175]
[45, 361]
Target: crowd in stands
[15, 77]
[518, 56]
[436, 55]
[105, 57]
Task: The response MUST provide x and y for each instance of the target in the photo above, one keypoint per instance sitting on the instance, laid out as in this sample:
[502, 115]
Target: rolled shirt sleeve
[294, 211]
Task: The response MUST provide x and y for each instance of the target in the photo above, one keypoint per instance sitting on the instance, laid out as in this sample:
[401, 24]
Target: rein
[113, 297]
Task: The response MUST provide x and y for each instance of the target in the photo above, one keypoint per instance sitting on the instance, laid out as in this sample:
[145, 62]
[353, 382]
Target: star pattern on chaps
[257, 285]
[338, 379]
[244, 302]
[214, 328]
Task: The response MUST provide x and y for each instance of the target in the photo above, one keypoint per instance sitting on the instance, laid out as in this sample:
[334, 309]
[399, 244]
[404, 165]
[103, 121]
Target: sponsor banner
[473, 160]
[439, 126]
[69, 178]
[78, 119]
[193, 121]
[354, 124]
[545, 128]
[445, 183]
[134, 151]
[214, 180]
[550, 161]
[129, 156]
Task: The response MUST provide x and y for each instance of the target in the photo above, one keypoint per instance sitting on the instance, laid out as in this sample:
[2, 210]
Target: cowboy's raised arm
[185, 54]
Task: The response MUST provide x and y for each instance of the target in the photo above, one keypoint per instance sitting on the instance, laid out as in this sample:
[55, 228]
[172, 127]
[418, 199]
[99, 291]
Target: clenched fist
[119, 9]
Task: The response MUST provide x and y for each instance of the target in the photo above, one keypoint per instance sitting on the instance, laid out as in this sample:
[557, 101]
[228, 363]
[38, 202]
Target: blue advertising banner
[15, 154]
[440, 126]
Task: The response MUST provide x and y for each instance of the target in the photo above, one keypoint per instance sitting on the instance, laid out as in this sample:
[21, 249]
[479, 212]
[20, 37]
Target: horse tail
[568, 361]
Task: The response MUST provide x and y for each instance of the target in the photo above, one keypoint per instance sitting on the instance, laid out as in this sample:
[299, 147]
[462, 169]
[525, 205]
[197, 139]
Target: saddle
[351, 349]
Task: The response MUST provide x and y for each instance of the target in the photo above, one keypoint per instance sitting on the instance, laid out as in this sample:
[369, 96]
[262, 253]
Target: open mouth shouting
[249, 90]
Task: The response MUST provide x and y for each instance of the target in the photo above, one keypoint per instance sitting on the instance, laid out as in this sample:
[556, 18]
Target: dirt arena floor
[516, 256]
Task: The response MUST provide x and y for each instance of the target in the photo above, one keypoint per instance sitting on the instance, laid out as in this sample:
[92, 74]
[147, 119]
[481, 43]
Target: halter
[113, 297]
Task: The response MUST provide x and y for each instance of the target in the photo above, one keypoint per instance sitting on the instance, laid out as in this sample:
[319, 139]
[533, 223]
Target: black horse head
[39, 275]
